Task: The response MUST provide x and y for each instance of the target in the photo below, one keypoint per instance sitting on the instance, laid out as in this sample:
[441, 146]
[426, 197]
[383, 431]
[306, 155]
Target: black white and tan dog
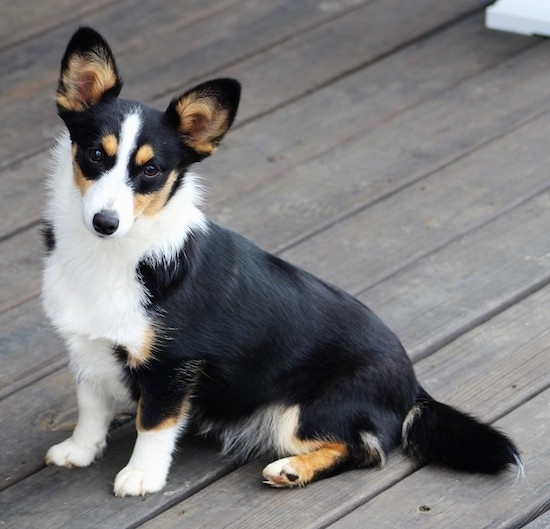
[196, 325]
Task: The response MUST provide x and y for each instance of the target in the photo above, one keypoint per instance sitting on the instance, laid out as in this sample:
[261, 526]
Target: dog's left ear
[88, 72]
[204, 114]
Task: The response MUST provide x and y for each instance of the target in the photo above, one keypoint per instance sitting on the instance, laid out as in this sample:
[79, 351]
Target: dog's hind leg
[300, 470]
[329, 458]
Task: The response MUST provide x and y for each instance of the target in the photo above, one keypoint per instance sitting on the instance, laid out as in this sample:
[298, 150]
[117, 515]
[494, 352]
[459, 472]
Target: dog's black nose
[105, 222]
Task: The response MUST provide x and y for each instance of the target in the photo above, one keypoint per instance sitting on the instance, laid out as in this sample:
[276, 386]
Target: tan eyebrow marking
[110, 144]
[144, 154]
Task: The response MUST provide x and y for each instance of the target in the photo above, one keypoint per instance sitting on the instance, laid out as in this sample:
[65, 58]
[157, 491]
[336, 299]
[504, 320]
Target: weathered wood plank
[300, 131]
[542, 522]
[376, 242]
[355, 105]
[22, 198]
[40, 17]
[500, 363]
[238, 501]
[29, 347]
[469, 280]
[21, 179]
[381, 159]
[434, 499]
[39, 416]
[21, 268]
[31, 67]
[84, 498]
[156, 62]
[295, 67]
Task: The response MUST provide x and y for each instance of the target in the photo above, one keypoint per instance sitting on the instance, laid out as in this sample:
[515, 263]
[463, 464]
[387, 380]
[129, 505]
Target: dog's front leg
[159, 422]
[95, 411]
[148, 467]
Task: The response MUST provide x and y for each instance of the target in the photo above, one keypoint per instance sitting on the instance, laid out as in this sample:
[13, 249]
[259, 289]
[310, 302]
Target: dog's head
[130, 159]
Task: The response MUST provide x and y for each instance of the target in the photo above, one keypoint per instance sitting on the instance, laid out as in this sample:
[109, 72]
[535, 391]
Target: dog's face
[129, 159]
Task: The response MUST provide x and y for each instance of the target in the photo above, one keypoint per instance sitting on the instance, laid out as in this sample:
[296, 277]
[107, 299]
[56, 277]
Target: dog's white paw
[135, 481]
[281, 474]
[70, 454]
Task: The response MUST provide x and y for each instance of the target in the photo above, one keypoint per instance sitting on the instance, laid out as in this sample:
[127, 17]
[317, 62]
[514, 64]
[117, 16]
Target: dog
[200, 328]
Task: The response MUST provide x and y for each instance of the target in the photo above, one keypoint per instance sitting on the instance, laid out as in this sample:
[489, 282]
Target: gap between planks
[346, 139]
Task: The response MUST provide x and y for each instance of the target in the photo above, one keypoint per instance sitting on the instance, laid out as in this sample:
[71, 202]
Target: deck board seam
[346, 214]
[247, 56]
[378, 58]
[60, 22]
[369, 203]
[374, 60]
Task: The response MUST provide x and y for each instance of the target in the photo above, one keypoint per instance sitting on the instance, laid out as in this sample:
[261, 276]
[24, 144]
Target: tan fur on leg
[300, 470]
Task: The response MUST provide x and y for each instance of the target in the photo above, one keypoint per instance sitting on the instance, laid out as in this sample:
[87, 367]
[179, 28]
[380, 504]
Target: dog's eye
[95, 155]
[151, 171]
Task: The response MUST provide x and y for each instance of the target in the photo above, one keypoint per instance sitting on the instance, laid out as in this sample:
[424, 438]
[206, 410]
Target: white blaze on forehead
[131, 127]
[112, 191]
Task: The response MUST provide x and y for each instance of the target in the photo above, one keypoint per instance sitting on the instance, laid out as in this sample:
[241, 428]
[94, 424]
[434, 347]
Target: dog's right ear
[88, 72]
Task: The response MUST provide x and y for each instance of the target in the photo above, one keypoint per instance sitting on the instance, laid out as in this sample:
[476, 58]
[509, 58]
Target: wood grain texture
[433, 499]
[35, 61]
[301, 131]
[38, 416]
[396, 153]
[39, 17]
[500, 263]
[21, 267]
[541, 522]
[151, 61]
[392, 233]
[45, 497]
[29, 346]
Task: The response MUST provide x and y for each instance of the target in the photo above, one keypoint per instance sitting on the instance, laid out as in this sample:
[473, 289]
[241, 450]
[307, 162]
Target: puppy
[196, 325]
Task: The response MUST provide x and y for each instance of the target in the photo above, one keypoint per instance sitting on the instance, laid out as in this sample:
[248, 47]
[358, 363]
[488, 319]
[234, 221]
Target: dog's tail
[437, 433]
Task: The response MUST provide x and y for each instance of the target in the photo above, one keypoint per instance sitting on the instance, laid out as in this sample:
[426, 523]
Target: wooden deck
[397, 149]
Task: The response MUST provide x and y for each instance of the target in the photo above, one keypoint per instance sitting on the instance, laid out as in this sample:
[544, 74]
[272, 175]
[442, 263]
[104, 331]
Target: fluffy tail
[436, 433]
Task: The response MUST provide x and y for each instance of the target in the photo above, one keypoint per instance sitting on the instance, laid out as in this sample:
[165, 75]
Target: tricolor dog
[196, 325]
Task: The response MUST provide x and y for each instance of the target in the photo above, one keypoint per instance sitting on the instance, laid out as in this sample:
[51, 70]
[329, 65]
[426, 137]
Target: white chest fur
[93, 297]
[91, 289]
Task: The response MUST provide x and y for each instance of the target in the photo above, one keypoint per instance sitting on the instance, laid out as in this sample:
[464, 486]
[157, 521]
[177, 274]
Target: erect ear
[205, 113]
[88, 72]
